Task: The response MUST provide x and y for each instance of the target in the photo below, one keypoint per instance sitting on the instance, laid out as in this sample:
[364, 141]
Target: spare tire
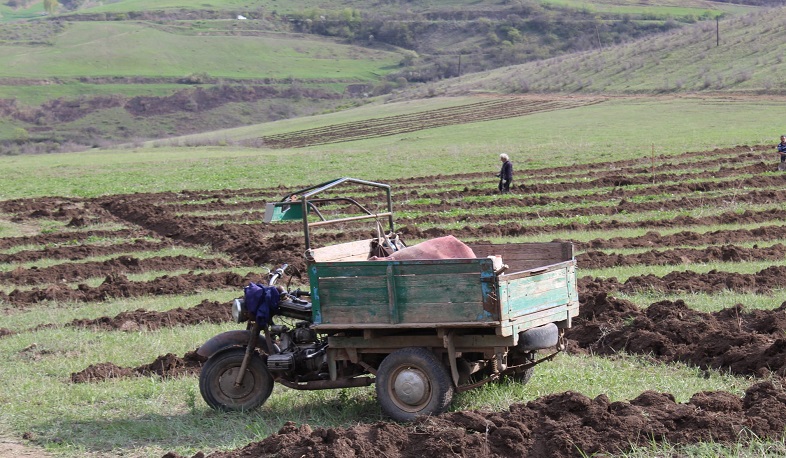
[545, 336]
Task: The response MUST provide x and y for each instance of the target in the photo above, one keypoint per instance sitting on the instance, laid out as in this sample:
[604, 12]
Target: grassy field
[71, 81]
[150, 416]
[659, 8]
[131, 49]
[615, 129]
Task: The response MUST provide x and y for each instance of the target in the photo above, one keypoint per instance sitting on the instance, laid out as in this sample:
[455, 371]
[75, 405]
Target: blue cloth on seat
[261, 302]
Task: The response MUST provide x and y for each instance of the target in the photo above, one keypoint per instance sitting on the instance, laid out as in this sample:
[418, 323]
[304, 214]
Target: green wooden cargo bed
[538, 287]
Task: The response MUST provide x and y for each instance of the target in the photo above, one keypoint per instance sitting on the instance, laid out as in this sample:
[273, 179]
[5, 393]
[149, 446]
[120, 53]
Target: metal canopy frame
[305, 199]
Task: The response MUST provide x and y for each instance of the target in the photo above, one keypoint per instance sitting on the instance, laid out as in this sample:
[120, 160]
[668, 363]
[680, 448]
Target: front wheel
[413, 382]
[218, 377]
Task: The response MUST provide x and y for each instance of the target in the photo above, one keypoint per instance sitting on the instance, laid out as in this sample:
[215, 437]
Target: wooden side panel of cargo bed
[525, 256]
[540, 293]
[403, 292]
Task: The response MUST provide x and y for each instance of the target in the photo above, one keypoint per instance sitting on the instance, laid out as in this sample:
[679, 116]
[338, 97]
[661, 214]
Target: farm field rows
[680, 228]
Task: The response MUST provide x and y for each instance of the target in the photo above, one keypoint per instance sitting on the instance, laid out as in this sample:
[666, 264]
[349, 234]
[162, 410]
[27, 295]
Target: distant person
[505, 174]
[782, 148]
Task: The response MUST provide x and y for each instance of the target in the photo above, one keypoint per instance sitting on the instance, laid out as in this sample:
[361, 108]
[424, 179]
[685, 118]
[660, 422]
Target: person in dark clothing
[782, 148]
[505, 174]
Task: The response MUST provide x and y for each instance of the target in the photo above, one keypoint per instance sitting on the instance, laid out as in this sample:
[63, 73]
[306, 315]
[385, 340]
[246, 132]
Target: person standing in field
[782, 148]
[505, 174]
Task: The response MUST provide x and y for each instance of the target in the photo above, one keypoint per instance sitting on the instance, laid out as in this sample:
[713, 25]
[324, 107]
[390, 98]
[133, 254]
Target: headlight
[239, 313]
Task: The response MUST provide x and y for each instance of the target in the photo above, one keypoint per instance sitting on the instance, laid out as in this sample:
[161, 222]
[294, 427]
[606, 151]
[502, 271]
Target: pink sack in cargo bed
[447, 247]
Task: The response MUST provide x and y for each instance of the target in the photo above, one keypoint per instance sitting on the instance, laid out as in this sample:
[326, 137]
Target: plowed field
[662, 220]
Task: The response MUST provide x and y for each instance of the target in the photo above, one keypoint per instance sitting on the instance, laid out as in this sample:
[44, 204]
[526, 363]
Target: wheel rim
[227, 388]
[410, 389]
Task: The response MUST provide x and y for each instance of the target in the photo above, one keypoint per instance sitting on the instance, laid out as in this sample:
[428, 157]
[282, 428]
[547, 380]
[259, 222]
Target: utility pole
[717, 31]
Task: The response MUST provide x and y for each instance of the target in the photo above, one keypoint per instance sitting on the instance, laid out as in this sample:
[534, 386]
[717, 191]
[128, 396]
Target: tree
[51, 6]
[21, 135]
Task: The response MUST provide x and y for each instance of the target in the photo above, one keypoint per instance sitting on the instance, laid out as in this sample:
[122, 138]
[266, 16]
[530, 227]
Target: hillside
[742, 54]
[89, 74]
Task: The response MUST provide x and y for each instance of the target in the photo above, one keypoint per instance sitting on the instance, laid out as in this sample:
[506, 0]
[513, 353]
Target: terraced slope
[486, 110]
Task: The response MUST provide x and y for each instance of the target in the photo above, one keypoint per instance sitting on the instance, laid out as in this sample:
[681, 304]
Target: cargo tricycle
[419, 322]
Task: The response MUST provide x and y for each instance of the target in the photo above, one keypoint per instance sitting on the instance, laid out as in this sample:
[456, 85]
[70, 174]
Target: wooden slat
[471, 312]
[351, 251]
[524, 296]
[429, 325]
[462, 342]
[524, 256]
[444, 288]
[354, 300]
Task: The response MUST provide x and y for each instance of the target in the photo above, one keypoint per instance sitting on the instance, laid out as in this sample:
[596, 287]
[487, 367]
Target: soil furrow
[79, 271]
[75, 253]
[722, 253]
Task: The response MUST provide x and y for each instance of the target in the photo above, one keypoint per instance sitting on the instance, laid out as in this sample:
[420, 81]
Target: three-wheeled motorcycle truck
[420, 329]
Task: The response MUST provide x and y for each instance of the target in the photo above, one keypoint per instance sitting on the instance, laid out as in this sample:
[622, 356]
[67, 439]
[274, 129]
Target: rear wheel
[218, 376]
[516, 358]
[412, 382]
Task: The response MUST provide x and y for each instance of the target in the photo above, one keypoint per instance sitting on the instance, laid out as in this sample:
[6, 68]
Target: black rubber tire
[545, 336]
[217, 381]
[412, 382]
[516, 358]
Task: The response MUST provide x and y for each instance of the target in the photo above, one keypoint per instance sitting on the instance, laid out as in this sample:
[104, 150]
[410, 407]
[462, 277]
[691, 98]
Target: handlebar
[278, 273]
[298, 293]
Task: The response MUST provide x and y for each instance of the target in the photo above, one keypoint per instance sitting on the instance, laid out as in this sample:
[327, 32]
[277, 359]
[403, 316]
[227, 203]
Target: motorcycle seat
[295, 309]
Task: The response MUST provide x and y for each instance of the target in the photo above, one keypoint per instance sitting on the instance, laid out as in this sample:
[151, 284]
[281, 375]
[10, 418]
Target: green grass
[134, 49]
[652, 10]
[614, 130]
[622, 273]
[147, 276]
[34, 96]
[59, 313]
[586, 236]
[236, 5]
[90, 240]
[708, 303]
[757, 448]
[663, 8]
[34, 11]
[199, 253]
[153, 416]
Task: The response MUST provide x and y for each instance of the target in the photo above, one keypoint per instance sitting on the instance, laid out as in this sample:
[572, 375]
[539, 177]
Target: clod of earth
[556, 426]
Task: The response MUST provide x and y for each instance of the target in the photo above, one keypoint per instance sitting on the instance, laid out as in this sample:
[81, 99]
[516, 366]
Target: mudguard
[229, 339]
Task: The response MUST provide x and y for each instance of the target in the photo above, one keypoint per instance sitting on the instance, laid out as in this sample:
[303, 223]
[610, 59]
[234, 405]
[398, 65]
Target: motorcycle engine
[301, 352]
[303, 334]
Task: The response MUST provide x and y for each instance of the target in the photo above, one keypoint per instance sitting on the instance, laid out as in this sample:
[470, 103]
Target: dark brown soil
[722, 253]
[167, 365]
[559, 425]
[72, 272]
[732, 340]
[117, 285]
[204, 312]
